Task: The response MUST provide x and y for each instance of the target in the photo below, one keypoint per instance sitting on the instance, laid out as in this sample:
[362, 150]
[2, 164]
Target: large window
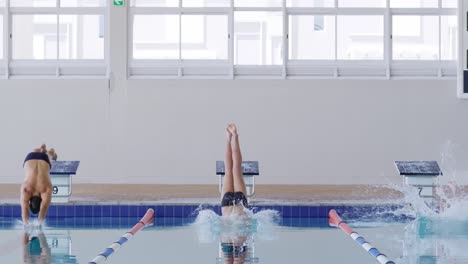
[360, 38]
[233, 38]
[54, 38]
[204, 37]
[312, 37]
[34, 37]
[414, 38]
[293, 38]
[258, 38]
[161, 42]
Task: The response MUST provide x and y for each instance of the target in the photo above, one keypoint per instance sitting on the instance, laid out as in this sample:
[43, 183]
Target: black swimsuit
[234, 198]
[37, 156]
[231, 250]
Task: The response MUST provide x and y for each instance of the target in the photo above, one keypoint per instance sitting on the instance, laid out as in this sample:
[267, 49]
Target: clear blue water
[181, 240]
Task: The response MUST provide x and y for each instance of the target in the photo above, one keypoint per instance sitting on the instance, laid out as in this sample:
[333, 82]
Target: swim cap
[35, 204]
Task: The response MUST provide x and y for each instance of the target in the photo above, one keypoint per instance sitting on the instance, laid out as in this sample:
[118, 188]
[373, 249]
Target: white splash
[33, 225]
[211, 227]
[439, 236]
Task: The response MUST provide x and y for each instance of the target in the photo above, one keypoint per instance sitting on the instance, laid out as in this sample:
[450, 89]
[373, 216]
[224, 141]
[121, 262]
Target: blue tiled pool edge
[190, 210]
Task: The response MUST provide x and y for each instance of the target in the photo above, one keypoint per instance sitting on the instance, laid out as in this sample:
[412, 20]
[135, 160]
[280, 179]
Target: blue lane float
[335, 220]
[146, 220]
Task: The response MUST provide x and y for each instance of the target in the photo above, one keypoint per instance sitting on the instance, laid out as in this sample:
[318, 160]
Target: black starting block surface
[416, 168]
[248, 168]
[64, 167]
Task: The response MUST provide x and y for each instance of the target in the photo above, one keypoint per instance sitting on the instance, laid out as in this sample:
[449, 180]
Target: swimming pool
[297, 237]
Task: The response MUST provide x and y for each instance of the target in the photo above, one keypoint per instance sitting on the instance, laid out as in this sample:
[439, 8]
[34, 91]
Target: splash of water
[450, 200]
[439, 236]
[211, 227]
[33, 226]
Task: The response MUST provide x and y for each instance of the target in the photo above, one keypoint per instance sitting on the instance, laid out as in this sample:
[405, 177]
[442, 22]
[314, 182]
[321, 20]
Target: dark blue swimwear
[231, 250]
[234, 198]
[37, 156]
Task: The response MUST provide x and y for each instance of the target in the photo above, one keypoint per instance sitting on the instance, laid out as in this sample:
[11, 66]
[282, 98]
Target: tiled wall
[124, 216]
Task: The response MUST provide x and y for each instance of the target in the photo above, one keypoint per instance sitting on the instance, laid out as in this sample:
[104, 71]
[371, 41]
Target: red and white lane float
[147, 219]
[335, 220]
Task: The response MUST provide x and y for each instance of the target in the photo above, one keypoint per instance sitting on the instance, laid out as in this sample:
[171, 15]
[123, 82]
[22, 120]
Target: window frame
[178, 67]
[53, 68]
[379, 69]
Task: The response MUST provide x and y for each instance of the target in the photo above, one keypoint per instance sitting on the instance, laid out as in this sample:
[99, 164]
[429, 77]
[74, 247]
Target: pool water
[171, 240]
[182, 245]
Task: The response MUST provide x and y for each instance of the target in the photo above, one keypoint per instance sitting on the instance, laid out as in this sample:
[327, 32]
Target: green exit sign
[119, 2]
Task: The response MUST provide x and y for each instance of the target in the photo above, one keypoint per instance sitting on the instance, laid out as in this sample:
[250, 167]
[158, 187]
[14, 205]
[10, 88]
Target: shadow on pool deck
[141, 193]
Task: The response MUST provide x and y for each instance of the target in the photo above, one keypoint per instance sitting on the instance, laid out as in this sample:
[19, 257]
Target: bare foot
[52, 154]
[232, 129]
[43, 148]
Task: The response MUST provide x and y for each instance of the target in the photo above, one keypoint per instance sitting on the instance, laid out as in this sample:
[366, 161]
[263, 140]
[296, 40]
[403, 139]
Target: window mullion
[179, 72]
[388, 39]
[285, 39]
[440, 44]
[231, 39]
[107, 49]
[336, 45]
[57, 38]
[6, 38]
[336, 37]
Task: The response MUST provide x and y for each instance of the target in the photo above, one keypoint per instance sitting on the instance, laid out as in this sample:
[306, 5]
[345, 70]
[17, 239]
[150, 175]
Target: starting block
[249, 172]
[61, 178]
[422, 175]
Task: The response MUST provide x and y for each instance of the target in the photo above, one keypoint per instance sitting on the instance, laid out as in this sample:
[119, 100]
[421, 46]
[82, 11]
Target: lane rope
[146, 220]
[335, 220]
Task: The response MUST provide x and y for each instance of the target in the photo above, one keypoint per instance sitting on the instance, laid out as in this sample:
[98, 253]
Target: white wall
[302, 132]
[172, 131]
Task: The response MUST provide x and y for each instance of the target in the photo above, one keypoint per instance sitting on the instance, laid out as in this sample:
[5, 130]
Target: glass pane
[33, 3]
[155, 3]
[414, 3]
[206, 3]
[258, 38]
[448, 38]
[82, 3]
[2, 3]
[34, 37]
[312, 37]
[81, 37]
[450, 3]
[161, 42]
[258, 3]
[310, 3]
[415, 37]
[204, 37]
[360, 38]
[361, 3]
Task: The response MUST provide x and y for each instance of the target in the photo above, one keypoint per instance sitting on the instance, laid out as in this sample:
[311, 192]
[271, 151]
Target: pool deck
[175, 194]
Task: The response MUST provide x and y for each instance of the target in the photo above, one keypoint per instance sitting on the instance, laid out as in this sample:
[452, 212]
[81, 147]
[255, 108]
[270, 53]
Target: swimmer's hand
[34, 225]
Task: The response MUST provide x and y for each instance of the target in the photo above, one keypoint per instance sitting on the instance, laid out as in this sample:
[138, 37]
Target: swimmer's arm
[26, 256]
[43, 240]
[46, 199]
[25, 206]
[25, 238]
